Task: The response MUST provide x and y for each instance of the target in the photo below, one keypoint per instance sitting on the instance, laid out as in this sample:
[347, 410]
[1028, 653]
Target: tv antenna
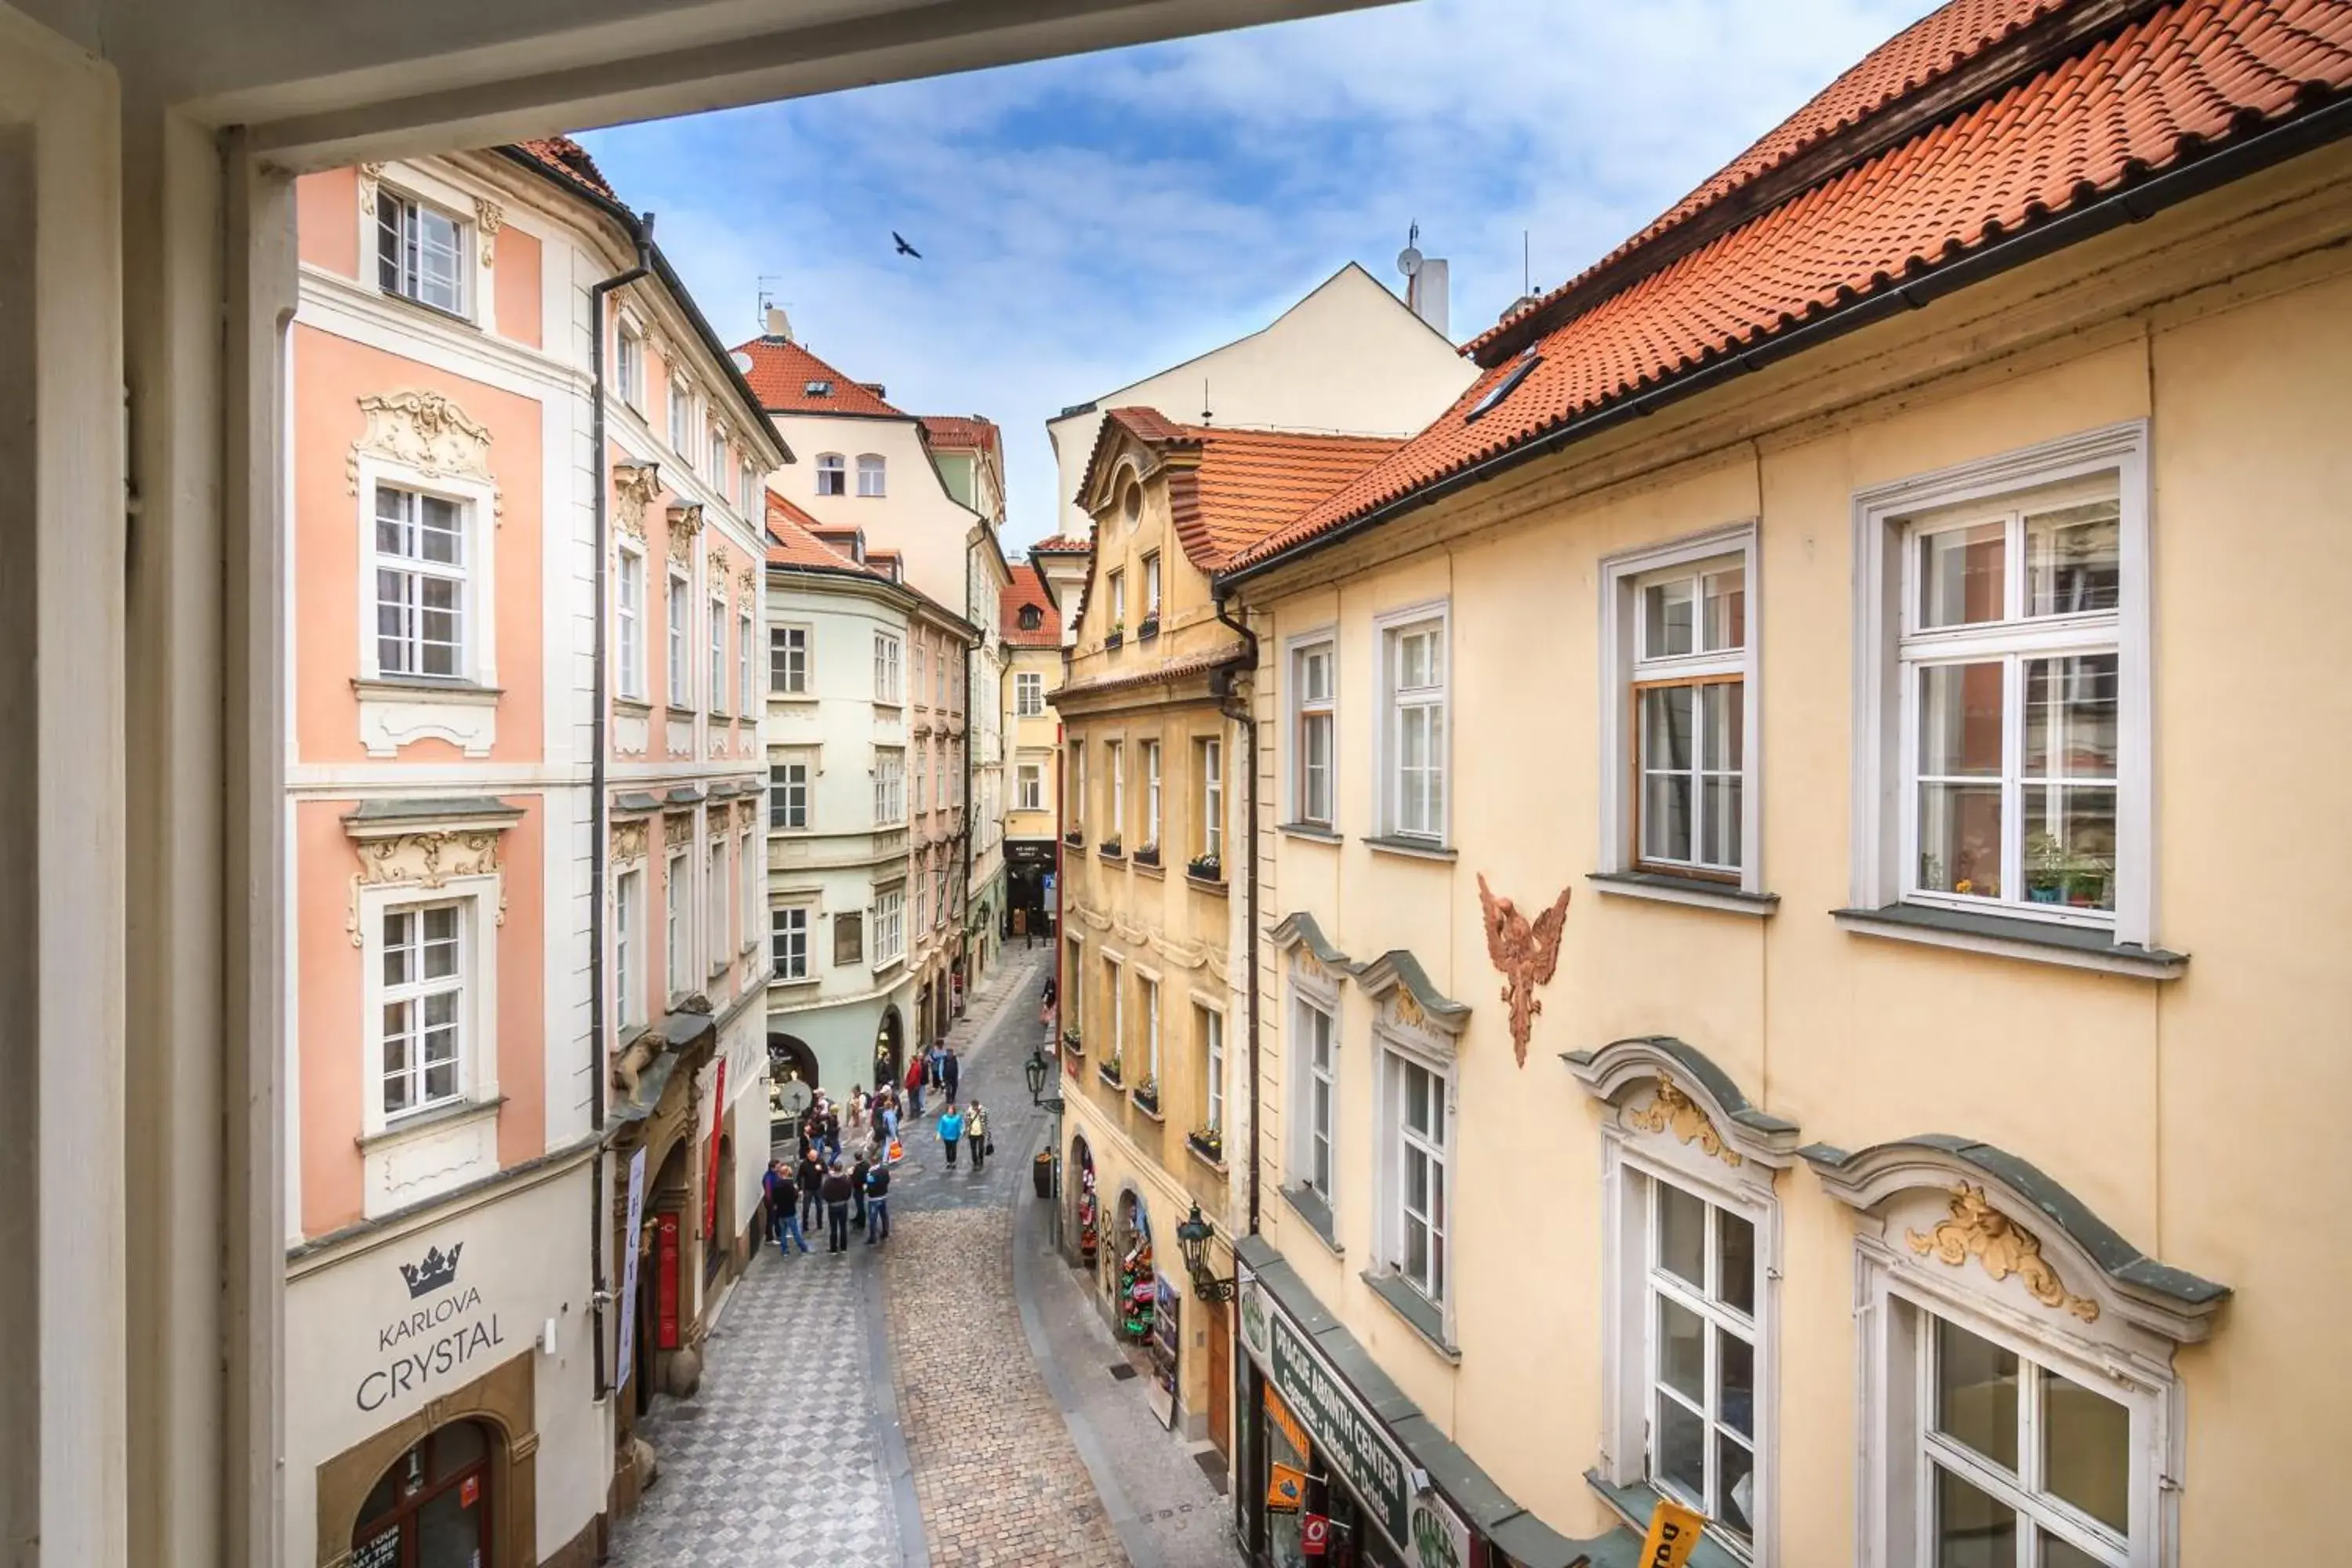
[1409, 258]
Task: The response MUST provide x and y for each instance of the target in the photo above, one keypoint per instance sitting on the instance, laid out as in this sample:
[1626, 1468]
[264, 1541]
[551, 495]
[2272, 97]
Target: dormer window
[420, 253]
[818, 389]
[1030, 617]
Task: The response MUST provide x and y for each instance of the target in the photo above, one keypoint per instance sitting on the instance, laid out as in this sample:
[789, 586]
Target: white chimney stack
[779, 326]
[1424, 284]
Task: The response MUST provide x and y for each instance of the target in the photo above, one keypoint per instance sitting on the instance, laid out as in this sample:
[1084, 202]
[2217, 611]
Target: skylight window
[1505, 387]
[818, 389]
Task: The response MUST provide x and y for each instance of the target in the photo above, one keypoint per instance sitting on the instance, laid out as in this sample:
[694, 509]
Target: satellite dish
[1409, 261]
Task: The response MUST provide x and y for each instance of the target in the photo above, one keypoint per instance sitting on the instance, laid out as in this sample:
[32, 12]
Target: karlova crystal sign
[443, 1330]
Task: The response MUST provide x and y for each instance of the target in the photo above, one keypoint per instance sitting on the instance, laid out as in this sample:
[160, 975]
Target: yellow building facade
[1764, 1000]
[1031, 634]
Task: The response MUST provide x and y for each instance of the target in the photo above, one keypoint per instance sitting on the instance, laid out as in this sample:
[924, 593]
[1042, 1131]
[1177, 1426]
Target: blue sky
[1088, 221]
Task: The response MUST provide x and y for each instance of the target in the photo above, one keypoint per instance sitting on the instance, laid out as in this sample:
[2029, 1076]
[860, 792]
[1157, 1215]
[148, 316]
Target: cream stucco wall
[2198, 1116]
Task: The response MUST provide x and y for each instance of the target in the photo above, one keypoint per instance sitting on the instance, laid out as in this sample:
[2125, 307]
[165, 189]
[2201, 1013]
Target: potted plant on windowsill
[1076, 838]
[1115, 636]
[2046, 868]
[1208, 1142]
[1109, 1070]
[1207, 869]
[1110, 849]
[1146, 854]
[1072, 1042]
[1149, 628]
[1147, 1096]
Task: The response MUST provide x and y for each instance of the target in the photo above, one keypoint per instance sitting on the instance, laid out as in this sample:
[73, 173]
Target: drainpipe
[1224, 684]
[599, 812]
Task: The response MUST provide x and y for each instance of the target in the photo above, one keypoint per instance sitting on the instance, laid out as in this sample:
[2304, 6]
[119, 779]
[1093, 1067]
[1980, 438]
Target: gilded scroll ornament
[1671, 1110]
[422, 860]
[1976, 1229]
[635, 485]
[1527, 952]
[427, 433]
[1406, 1008]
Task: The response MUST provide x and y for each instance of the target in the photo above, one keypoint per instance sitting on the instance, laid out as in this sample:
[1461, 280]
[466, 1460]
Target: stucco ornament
[685, 522]
[635, 485]
[629, 840]
[678, 829]
[488, 218]
[371, 175]
[423, 860]
[427, 433]
[746, 581]
[1406, 1009]
[1976, 1229]
[1671, 1110]
[1526, 952]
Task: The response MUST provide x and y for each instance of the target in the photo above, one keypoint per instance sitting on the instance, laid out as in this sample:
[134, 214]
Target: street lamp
[1192, 1238]
[1034, 1070]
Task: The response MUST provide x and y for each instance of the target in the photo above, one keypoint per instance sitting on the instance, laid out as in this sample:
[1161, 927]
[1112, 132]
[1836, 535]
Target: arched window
[432, 1508]
[832, 475]
[869, 473]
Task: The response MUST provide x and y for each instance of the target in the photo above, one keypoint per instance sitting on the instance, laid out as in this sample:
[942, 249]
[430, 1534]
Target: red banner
[718, 1121]
[666, 1280]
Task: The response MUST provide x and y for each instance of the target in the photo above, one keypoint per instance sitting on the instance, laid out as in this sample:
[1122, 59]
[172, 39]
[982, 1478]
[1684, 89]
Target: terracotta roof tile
[1175, 669]
[959, 433]
[2178, 81]
[782, 372]
[1062, 544]
[791, 541]
[570, 159]
[1028, 591]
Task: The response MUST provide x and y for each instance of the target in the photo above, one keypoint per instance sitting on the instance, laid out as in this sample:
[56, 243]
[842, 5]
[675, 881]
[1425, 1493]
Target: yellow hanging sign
[1286, 1490]
[1674, 1536]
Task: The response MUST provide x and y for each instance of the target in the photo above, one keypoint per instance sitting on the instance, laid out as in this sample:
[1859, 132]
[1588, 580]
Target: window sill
[410, 302]
[1313, 832]
[2005, 936]
[1203, 1155]
[1425, 1317]
[887, 964]
[1209, 885]
[1110, 852]
[688, 714]
[1696, 891]
[1152, 868]
[459, 693]
[1147, 1109]
[807, 697]
[635, 706]
[1410, 848]
[1637, 1501]
[1308, 1205]
[793, 980]
[440, 1119]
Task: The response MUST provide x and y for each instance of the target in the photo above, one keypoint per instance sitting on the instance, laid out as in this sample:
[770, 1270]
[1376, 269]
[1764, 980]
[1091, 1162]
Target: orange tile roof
[1174, 670]
[782, 372]
[570, 159]
[1028, 590]
[1062, 544]
[1230, 489]
[791, 541]
[2180, 81]
[959, 433]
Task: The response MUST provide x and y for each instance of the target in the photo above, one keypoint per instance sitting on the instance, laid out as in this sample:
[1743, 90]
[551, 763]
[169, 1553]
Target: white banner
[629, 1269]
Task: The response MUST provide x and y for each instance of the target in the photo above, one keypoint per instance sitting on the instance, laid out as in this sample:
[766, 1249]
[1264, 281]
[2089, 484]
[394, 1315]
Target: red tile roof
[570, 159]
[1029, 590]
[1174, 670]
[1062, 544]
[958, 433]
[782, 372]
[1229, 489]
[792, 542]
[2177, 82]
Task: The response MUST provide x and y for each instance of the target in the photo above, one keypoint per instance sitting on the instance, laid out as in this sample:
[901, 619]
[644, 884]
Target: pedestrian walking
[950, 1132]
[975, 1132]
[836, 1209]
[889, 1124]
[950, 1073]
[857, 1192]
[811, 1180]
[878, 1205]
[785, 1209]
[915, 1088]
[831, 1133]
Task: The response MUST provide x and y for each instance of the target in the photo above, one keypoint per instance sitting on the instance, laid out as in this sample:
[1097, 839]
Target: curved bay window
[432, 1508]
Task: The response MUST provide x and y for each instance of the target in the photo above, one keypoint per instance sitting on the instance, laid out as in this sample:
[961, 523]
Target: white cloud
[1087, 221]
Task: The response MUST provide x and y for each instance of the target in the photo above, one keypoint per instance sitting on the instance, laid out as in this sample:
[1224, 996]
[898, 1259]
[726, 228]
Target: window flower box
[1208, 1142]
[1146, 854]
[1076, 838]
[1111, 850]
[1146, 1097]
[1110, 1072]
[1207, 869]
[1072, 1043]
[1115, 636]
[1148, 629]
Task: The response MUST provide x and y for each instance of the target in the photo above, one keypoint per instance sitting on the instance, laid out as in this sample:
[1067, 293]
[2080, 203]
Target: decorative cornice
[635, 485]
[1397, 977]
[685, 522]
[1976, 1229]
[427, 433]
[488, 218]
[678, 827]
[629, 840]
[1617, 1069]
[1671, 1110]
[1298, 935]
[430, 858]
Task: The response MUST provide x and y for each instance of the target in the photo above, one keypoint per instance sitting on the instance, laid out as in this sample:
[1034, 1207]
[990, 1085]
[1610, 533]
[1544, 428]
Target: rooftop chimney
[779, 324]
[1424, 284]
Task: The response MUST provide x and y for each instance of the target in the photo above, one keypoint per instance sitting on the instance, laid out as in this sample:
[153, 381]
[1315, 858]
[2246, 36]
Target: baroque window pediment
[424, 844]
[635, 485]
[1671, 1096]
[427, 433]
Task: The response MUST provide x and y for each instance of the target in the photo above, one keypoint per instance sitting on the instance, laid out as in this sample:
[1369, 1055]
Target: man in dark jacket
[878, 1205]
[784, 1208]
[950, 1073]
[837, 1208]
[812, 1179]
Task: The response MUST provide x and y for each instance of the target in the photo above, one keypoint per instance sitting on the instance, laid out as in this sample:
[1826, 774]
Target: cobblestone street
[888, 1409]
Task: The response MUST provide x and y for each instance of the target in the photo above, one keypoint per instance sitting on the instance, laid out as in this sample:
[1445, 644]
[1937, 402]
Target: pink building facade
[507, 1229]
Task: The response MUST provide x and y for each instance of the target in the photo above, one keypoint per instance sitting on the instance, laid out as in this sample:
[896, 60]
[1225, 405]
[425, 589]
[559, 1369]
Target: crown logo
[435, 1269]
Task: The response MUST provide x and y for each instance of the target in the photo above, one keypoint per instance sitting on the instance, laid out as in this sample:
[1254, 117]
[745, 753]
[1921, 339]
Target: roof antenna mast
[1527, 263]
[1206, 418]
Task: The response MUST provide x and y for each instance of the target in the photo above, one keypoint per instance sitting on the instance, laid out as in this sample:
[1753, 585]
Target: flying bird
[904, 248]
[1526, 953]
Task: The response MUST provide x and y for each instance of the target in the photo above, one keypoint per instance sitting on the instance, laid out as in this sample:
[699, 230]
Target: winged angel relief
[1526, 952]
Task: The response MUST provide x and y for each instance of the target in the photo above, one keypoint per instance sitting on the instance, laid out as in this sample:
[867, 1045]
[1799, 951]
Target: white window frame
[1078, 799]
[888, 687]
[1151, 802]
[716, 455]
[629, 363]
[1388, 631]
[1297, 650]
[919, 778]
[681, 418]
[716, 904]
[889, 923]
[1209, 753]
[1623, 577]
[751, 880]
[463, 1023]
[873, 476]
[1882, 861]
[1115, 988]
[408, 283]
[1028, 694]
[678, 929]
[1391, 1055]
[718, 692]
[678, 612]
[832, 474]
[1118, 600]
[791, 782]
[783, 656]
[748, 494]
[475, 590]
[1305, 1079]
[1115, 757]
[629, 632]
[789, 924]
[889, 787]
[1213, 1058]
[628, 890]
[1148, 980]
[1151, 584]
[747, 700]
[1029, 786]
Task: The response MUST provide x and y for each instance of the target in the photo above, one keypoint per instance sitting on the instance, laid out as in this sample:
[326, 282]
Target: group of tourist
[847, 1150]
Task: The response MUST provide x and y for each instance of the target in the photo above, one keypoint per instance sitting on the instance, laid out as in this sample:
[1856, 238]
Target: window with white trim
[889, 926]
[918, 654]
[1151, 998]
[681, 418]
[421, 252]
[922, 776]
[715, 464]
[1209, 767]
[1699, 1325]
[1150, 834]
[886, 683]
[1115, 1004]
[788, 936]
[788, 661]
[628, 889]
[1118, 601]
[676, 922]
[1028, 694]
[1151, 584]
[745, 696]
[718, 691]
[889, 788]
[1115, 764]
[420, 584]
[680, 615]
[1314, 667]
[748, 493]
[832, 474]
[2003, 760]
[751, 882]
[1417, 1117]
[1210, 1026]
[629, 366]
[715, 901]
[870, 473]
[629, 637]
[1315, 1033]
[424, 1001]
[1413, 681]
[788, 795]
[1077, 796]
[1029, 786]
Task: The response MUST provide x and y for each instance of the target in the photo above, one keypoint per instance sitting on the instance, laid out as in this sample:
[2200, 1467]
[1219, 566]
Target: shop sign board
[666, 1281]
[1439, 1538]
[1345, 1433]
[629, 1269]
[1674, 1536]
[717, 1126]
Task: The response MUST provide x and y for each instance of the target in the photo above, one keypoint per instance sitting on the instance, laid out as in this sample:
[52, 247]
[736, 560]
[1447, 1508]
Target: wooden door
[1221, 1378]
